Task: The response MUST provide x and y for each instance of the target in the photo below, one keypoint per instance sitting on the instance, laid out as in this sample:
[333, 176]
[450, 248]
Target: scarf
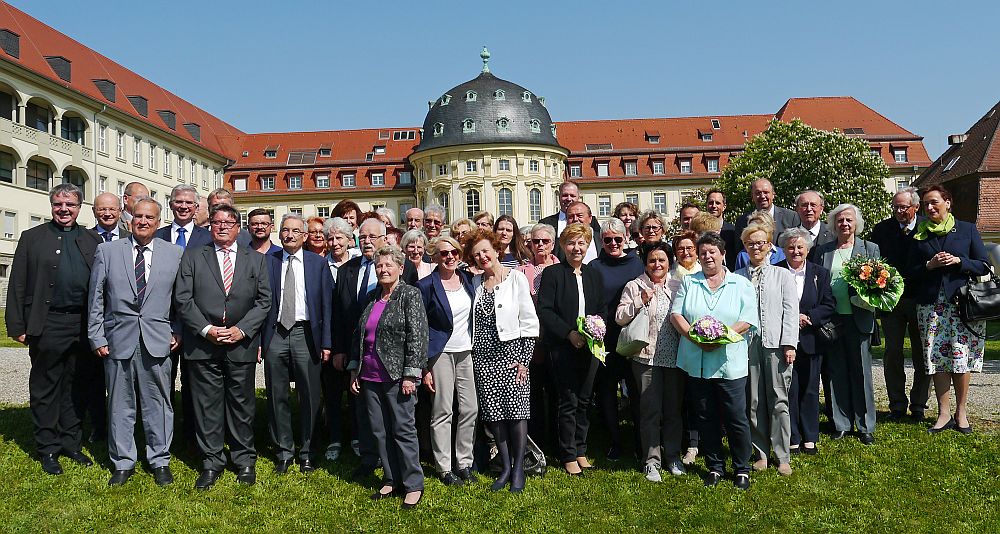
[927, 228]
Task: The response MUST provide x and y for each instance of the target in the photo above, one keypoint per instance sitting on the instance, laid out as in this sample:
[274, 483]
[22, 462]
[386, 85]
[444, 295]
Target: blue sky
[312, 65]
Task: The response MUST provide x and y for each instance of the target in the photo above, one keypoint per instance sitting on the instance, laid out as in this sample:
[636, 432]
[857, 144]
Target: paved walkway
[984, 395]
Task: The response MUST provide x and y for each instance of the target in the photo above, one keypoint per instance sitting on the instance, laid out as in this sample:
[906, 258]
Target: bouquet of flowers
[877, 283]
[708, 329]
[592, 328]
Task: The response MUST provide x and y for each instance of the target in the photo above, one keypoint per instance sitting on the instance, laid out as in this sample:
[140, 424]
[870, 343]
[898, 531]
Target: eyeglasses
[260, 225]
[615, 240]
[65, 205]
[540, 242]
[758, 244]
[293, 231]
[652, 228]
[432, 222]
[223, 224]
[685, 249]
[900, 207]
[369, 237]
[447, 253]
[315, 232]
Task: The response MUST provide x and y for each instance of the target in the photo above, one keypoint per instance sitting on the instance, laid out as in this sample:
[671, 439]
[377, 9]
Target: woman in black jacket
[570, 290]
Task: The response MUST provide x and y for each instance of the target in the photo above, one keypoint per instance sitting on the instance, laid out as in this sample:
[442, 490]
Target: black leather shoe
[812, 451]
[467, 475]
[409, 505]
[207, 479]
[947, 426]
[306, 465]
[451, 479]
[866, 438]
[712, 479]
[163, 476]
[281, 466]
[120, 476]
[247, 475]
[895, 417]
[79, 458]
[742, 481]
[839, 434]
[917, 416]
[51, 465]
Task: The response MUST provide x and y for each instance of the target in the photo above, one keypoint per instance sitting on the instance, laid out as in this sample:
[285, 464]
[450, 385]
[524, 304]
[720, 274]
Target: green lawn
[908, 481]
[4, 340]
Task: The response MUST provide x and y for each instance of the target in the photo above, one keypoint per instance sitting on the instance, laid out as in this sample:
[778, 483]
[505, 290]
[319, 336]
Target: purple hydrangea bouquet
[592, 328]
[708, 329]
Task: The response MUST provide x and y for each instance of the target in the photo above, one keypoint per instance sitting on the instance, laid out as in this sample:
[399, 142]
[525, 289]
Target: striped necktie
[227, 270]
[140, 274]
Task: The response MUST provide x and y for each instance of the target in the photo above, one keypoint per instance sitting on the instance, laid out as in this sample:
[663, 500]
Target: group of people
[402, 339]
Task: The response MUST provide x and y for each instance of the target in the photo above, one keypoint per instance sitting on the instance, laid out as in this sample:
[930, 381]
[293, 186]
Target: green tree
[795, 156]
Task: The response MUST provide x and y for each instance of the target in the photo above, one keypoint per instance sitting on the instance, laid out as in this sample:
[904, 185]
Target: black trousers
[574, 372]
[291, 358]
[616, 369]
[222, 392]
[543, 398]
[90, 395]
[709, 396]
[803, 398]
[51, 381]
[334, 384]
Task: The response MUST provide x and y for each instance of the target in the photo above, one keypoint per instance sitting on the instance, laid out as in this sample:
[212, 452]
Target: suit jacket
[895, 245]
[200, 300]
[816, 302]
[32, 276]
[824, 237]
[199, 237]
[559, 302]
[783, 218]
[440, 321]
[123, 233]
[346, 307]
[864, 319]
[553, 220]
[116, 319]
[963, 241]
[733, 245]
[319, 298]
[400, 335]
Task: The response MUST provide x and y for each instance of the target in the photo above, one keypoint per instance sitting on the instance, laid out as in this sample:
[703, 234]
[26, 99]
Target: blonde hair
[756, 227]
[705, 222]
[575, 230]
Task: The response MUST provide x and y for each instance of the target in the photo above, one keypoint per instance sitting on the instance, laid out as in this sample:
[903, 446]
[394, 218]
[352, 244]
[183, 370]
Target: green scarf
[927, 227]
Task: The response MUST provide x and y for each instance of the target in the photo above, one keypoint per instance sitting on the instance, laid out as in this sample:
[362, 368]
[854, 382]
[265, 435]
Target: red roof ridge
[315, 132]
[983, 166]
[690, 117]
[851, 98]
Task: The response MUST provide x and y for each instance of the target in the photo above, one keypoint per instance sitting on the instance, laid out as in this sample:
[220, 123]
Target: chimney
[957, 139]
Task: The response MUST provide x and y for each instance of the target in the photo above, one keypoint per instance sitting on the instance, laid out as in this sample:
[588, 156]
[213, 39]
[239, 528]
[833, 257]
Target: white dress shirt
[560, 225]
[115, 232]
[301, 311]
[188, 229]
[910, 226]
[814, 231]
[800, 278]
[372, 277]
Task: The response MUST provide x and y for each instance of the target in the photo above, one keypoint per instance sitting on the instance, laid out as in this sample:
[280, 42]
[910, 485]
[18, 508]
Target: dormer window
[470, 96]
[499, 94]
[468, 126]
[270, 154]
[526, 96]
[536, 127]
[706, 137]
[716, 124]
[503, 124]
[445, 100]
[438, 129]
[553, 128]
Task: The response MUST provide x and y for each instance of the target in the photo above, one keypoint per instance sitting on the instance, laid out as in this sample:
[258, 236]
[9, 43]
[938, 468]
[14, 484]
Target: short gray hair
[387, 213]
[547, 228]
[822, 199]
[294, 216]
[148, 200]
[66, 189]
[911, 193]
[859, 219]
[393, 252]
[790, 234]
[379, 224]
[411, 236]
[652, 214]
[184, 188]
[434, 208]
[337, 225]
[615, 225]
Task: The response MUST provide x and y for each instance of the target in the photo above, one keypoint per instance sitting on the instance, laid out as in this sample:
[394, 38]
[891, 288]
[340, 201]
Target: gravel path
[984, 395]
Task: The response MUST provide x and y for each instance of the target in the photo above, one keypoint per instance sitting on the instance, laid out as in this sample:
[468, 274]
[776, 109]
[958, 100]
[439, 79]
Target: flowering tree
[795, 157]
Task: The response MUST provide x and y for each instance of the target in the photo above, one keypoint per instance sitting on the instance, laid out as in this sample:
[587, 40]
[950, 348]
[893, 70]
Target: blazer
[346, 307]
[559, 302]
[864, 319]
[116, 319]
[440, 322]
[732, 241]
[32, 276]
[816, 302]
[401, 334]
[553, 220]
[515, 311]
[777, 304]
[784, 218]
[319, 299]
[963, 241]
[199, 237]
[895, 247]
[123, 233]
[200, 300]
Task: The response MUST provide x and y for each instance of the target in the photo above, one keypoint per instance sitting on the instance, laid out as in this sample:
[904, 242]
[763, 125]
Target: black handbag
[829, 332]
[979, 301]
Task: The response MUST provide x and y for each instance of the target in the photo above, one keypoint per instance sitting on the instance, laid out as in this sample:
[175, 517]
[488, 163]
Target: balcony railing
[55, 143]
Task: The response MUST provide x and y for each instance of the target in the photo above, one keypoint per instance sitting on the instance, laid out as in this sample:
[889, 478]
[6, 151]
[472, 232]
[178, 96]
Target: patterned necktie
[287, 318]
[181, 242]
[227, 270]
[140, 274]
[107, 236]
[363, 290]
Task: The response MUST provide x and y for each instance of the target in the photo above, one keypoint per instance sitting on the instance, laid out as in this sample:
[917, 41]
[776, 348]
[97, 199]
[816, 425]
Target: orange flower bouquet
[876, 282]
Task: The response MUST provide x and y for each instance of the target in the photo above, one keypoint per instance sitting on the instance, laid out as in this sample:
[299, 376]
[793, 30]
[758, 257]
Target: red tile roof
[978, 153]
[346, 146]
[38, 41]
[675, 133]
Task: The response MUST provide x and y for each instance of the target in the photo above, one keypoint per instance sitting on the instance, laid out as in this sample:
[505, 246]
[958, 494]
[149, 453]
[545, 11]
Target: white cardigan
[515, 310]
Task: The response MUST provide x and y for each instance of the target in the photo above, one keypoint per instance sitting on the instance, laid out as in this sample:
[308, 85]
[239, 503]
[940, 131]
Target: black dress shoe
[917, 416]
[866, 438]
[964, 429]
[742, 481]
[794, 449]
[163, 476]
[207, 479]
[120, 476]
[467, 475]
[409, 505]
[281, 466]
[451, 479]
[712, 479]
[247, 475]
[51, 465]
[79, 458]
[306, 465]
[812, 451]
[947, 426]
[839, 434]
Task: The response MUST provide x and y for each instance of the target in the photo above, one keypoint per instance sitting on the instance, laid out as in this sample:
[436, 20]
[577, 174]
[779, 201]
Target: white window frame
[102, 138]
[685, 165]
[631, 168]
[504, 165]
[575, 171]
[473, 203]
[10, 216]
[240, 184]
[442, 169]
[322, 181]
[660, 202]
[534, 204]
[348, 180]
[533, 165]
[712, 164]
[899, 155]
[295, 182]
[120, 145]
[405, 177]
[323, 211]
[604, 206]
[152, 157]
[471, 166]
[267, 182]
[509, 200]
[166, 162]
[603, 170]
[632, 197]
[658, 168]
[137, 150]
[379, 150]
[102, 184]
[378, 179]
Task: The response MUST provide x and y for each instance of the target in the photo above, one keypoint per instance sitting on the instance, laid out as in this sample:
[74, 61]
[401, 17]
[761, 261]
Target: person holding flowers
[569, 291]
[945, 254]
[852, 397]
[711, 311]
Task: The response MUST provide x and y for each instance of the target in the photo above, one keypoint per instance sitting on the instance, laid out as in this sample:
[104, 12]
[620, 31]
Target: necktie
[181, 242]
[106, 236]
[363, 290]
[287, 318]
[140, 273]
[227, 270]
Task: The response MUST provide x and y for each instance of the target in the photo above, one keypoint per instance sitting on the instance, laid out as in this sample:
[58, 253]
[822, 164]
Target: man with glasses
[261, 225]
[762, 194]
[132, 191]
[222, 196]
[894, 237]
[183, 231]
[107, 211]
[222, 296]
[46, 310]
[569, 193]
[809, 205]
[433, 221]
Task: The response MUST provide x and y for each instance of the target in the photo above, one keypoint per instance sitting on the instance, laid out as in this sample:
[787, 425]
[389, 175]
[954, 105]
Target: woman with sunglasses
[618, 267]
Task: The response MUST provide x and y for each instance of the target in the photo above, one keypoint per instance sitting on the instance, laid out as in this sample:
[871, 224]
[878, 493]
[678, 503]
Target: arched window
[443, 200]
[499, 94]
[438, 129]
[505, 202]
[503, 124]
[468, 126]
[77, 178]
[536, 127]
[73, 128]
[535, 204]
[470, 96]
[39, 175]
[526, 96]
[472, 205]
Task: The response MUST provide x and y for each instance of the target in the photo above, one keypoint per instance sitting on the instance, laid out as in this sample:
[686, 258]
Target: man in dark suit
[46, 310]
[355, 282]
[107, 211]
[715, 204]
[223, 196]
[894, 237]
[223, 296]
[295, 340]
[569, 193]
[809, 205]
[762, 194]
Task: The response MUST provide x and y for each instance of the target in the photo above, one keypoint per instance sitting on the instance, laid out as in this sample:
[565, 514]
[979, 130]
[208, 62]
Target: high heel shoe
[571, 473]
[378, 495]
[500, 482]
[947, 426]
[410, 506]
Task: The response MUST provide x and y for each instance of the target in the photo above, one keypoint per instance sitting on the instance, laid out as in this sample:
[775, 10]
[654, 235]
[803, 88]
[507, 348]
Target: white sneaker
[652, 472]
[690, 456]
[333, 452]
[676, 468]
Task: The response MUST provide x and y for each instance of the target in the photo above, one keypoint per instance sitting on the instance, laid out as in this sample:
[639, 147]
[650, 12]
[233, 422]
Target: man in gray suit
[762, 194]
[222, 295]
[131, 290]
